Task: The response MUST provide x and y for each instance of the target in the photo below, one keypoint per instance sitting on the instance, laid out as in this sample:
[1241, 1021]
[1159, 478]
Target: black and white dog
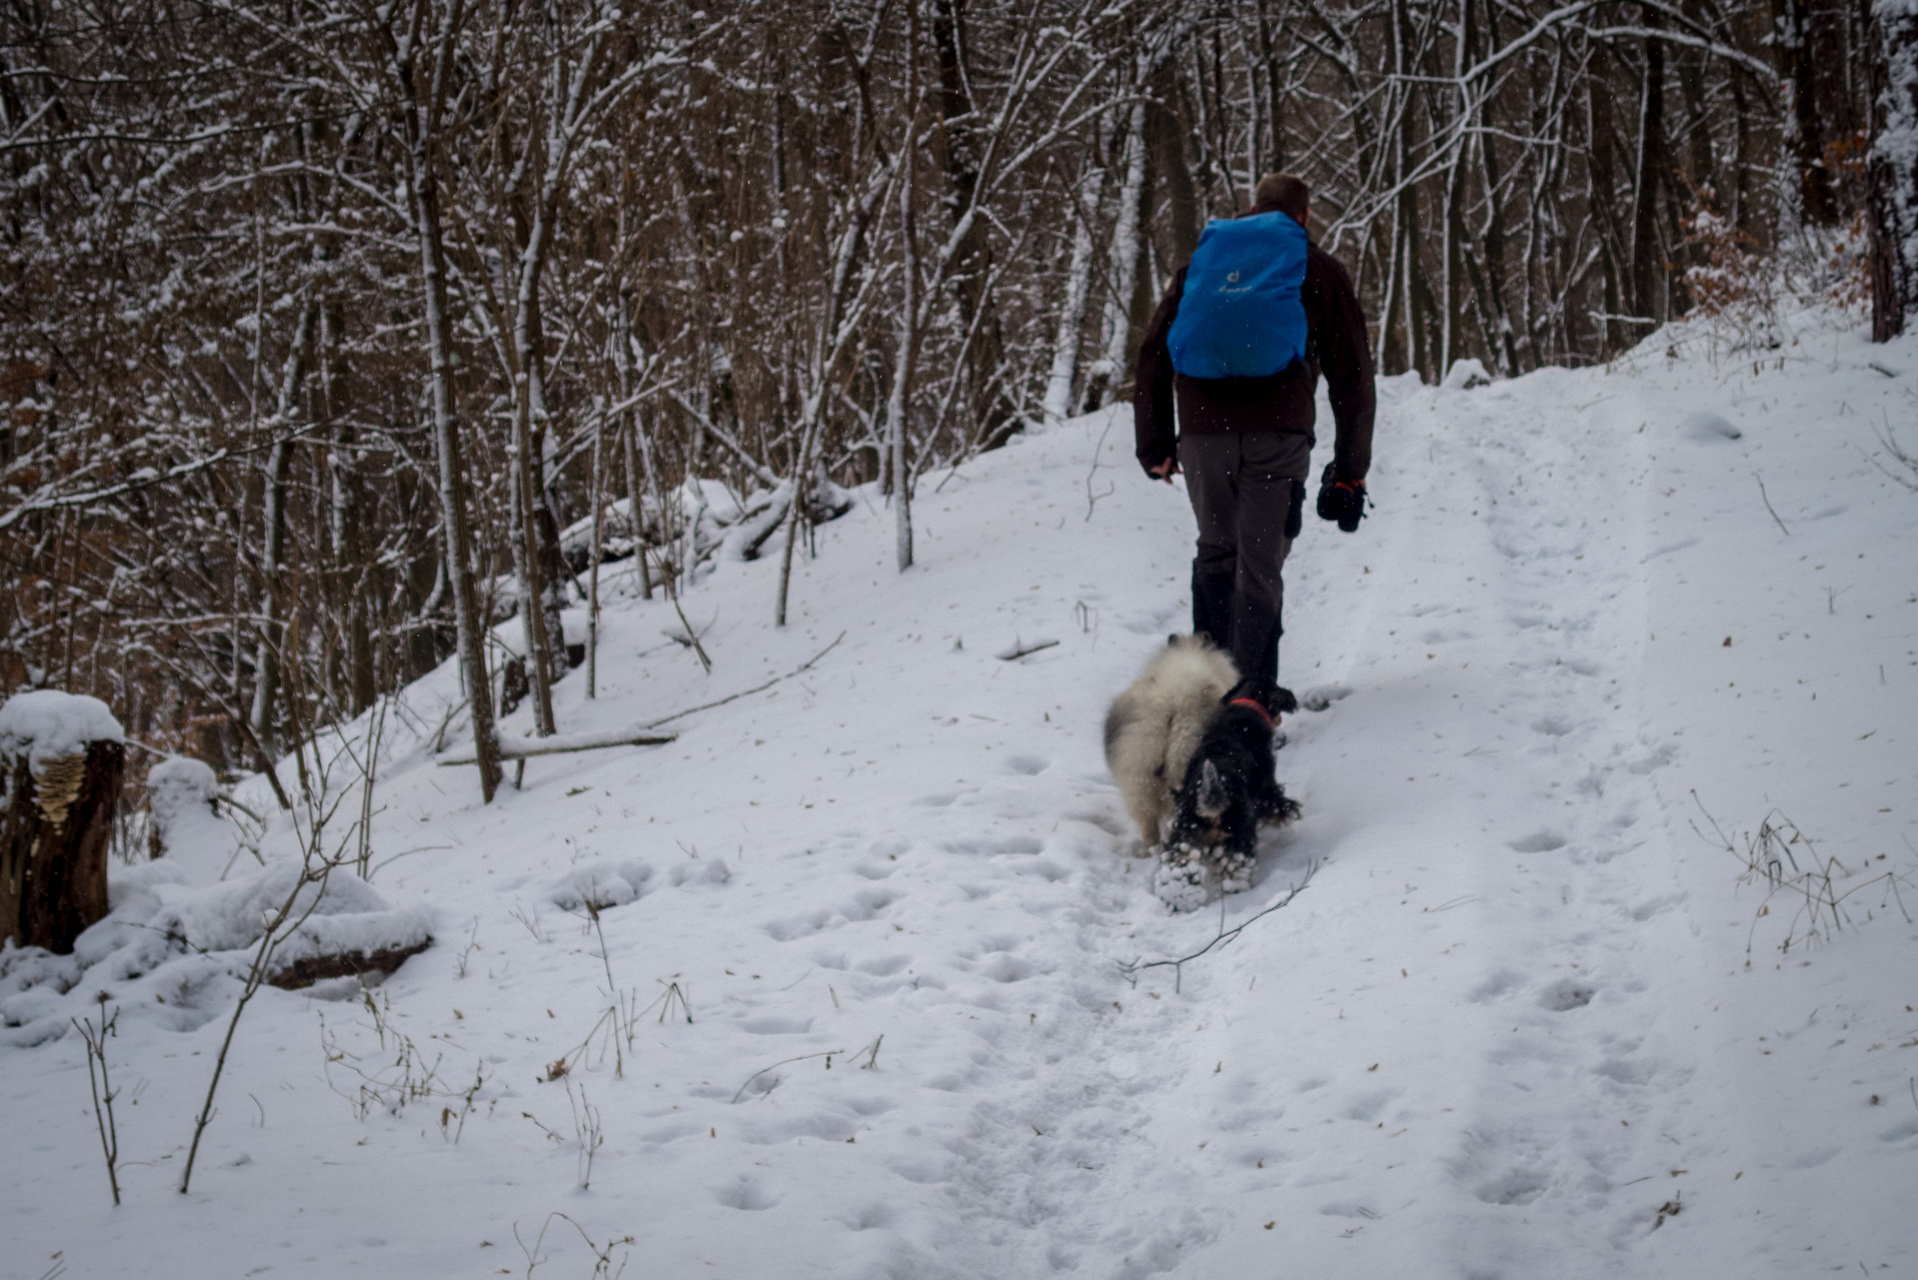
[1191, 746]
[1229, 792]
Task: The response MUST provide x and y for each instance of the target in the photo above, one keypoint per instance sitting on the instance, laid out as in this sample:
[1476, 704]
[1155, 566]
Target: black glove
[1341, 500]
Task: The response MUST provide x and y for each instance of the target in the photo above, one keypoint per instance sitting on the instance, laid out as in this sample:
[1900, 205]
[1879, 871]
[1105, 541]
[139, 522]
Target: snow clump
[600, 885]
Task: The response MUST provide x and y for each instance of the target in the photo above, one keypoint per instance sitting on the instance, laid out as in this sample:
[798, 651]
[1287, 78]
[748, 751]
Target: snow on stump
[62, 760]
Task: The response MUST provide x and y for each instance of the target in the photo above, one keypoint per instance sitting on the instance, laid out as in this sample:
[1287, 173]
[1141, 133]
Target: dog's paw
[1235, 872]
[1180, 881]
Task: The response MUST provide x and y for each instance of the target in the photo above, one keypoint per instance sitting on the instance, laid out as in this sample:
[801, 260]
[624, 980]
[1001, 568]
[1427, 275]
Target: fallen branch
[563, 744]
[829, 1055]
[746, 693]
[1768, 506]
[1130, 972]
[692, 637]
[1020, 650]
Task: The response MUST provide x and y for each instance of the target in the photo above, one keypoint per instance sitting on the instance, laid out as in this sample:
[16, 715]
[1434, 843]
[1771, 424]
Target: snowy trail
[1488, 654]
[1456, 1076]
[1512, 1001]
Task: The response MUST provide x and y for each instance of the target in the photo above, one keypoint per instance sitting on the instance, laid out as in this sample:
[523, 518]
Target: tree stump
[62, 761]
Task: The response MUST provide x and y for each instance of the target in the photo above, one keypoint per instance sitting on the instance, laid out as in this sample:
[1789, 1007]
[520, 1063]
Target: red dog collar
[1256, 706]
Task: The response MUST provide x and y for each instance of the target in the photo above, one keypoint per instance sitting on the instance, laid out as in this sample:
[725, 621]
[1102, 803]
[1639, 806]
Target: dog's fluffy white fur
[1155, 725]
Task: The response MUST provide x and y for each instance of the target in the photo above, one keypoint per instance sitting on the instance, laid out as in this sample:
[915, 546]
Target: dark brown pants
[1245, 488]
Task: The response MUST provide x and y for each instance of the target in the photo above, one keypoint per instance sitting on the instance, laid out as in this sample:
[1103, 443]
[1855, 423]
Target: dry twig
[1131, 971]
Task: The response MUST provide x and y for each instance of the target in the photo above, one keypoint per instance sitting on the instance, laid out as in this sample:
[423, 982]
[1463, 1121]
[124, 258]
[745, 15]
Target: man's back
[1337, 346]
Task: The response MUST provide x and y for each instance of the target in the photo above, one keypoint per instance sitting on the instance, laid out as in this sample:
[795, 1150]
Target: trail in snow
[1508, 1022]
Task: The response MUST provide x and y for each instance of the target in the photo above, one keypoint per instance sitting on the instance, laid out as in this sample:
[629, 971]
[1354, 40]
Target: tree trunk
[1651, 132]
[54, 835]
[1702, 174]
[348, 582]
[1805, 131]
[279, 469]
[1891, 171]
[545, 643]
[422, 119]
[599, 530]
[629, 433]
[1165, 147]
[1123, 261]
[1602, 195]
[899, 402]
[971, 269]
[1072, 309]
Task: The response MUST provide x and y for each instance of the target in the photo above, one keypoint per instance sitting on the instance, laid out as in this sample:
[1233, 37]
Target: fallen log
[560, 744]
[348, 964]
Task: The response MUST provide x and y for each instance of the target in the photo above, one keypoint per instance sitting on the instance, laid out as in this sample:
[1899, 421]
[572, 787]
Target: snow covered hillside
[1524, 1020]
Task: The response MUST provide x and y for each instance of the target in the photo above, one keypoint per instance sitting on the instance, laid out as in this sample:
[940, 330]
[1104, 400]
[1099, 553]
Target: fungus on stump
[62, 759]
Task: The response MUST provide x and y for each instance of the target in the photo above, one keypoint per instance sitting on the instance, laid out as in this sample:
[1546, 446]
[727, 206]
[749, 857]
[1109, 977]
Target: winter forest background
[297, 297]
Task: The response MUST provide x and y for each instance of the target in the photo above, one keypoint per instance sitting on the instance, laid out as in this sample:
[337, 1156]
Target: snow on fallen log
[175, 955]
[562, 743]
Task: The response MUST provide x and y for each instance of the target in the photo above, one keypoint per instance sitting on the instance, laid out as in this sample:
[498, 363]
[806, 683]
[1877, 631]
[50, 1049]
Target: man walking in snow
[1239, 341]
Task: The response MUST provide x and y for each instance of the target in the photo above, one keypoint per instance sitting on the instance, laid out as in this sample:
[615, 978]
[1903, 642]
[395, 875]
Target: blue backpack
[1240, 314]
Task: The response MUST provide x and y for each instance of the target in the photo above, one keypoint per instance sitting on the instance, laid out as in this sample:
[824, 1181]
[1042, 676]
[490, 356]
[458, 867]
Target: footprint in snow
[1516, 1187]
[776, 1025]
[1900, 1132]
[703, 871]
[870, 1217]
[864, 905]
[1627, 1070]
[747, 1193]
[991, 846]
[1323, 696]
[1496, 987]
[1368, 1107]
[1567, 994]
[1707, 427]
[1008, 968]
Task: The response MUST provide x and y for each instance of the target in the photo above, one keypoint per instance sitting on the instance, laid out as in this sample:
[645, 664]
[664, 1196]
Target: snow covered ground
[1524, 1020]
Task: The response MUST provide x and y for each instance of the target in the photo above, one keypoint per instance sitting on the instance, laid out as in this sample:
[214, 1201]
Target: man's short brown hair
[1282, 193]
